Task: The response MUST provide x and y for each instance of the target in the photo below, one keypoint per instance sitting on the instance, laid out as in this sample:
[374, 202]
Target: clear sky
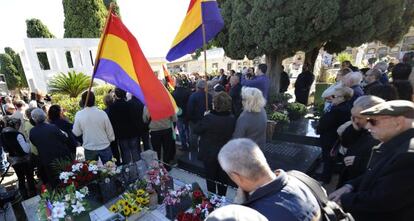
[153, 22]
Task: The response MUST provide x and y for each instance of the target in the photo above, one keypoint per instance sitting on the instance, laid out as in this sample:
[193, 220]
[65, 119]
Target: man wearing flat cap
[386, 190]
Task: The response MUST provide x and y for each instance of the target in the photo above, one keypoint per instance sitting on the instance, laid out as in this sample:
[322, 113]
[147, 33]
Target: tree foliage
[275, 28]
[362, 21]
[84, 18]
[10, 71]
[36, 29]
[71, 84]
[18, 65]
[115, 9]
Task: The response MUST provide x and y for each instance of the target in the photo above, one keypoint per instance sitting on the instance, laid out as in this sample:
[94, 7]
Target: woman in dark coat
[215, 129]
[303, 84]
[328, 125]
[56, 117]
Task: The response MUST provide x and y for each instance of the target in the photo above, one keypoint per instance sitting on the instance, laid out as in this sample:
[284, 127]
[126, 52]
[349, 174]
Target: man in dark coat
[372, 79]
[181, 95]
[358, 141]
[284, 81]
[303, 84]
[273, 194]
[126, 128]
[51, 144]
[143, 131]
[386, 190]
[235, 94]
[196, 108]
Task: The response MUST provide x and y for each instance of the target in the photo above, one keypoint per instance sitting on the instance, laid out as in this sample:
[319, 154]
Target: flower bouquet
[107, 183]
[177, 201]
[202, 206]
[78, 173]
[132, 204]
[60, 205]
[159, 179]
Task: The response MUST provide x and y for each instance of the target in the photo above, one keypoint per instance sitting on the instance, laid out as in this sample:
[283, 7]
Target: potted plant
[296, 110]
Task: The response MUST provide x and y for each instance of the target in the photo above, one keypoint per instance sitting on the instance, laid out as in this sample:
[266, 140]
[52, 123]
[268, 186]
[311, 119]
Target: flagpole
[98, 54]
[205, 60]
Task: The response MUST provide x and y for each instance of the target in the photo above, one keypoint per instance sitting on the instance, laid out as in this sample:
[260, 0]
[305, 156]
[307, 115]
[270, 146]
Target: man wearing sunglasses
[386, 190]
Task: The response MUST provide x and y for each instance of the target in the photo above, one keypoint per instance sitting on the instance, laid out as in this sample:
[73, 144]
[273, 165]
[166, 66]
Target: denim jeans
[105, 154]
[182, 127]
[130, 150]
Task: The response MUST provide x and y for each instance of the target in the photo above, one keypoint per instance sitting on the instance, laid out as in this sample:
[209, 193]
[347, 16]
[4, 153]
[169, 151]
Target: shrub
[296, 110]
[279, 117]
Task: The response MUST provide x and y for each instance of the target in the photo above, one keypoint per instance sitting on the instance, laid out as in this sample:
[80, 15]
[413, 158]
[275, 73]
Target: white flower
[93, 168]
[58, 210]
[79, 195]
[67, 197]
[84, 190]
[77, 167]
[78, 208]
[65, 176]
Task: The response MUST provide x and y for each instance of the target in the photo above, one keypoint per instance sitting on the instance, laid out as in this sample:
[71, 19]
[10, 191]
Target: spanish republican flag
[122, 63]
[168, 78]
[190, 36]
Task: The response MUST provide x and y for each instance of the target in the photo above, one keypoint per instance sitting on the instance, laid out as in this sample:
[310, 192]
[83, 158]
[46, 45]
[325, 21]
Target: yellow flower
[145, 201]
[113, 208]
[121, 202]
[140, 192]
[139, 200]
[135, 209]
[126, 211]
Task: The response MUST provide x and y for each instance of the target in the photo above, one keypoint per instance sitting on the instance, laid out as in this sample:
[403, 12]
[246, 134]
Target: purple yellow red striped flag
[122, 63]
[190, 36]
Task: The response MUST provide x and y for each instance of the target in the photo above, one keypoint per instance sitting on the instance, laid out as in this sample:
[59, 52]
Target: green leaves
[10, 71]
[71, 84]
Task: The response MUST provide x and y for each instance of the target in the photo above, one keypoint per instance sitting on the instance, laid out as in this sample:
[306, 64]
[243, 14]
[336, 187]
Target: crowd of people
[366, 134]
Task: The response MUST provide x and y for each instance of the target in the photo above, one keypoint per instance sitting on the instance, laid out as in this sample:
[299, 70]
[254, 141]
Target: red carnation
[43, 188]
[187, 217]
[197, 194]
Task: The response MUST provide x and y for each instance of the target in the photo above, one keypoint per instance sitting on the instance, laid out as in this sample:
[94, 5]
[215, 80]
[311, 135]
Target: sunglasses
[373, 122]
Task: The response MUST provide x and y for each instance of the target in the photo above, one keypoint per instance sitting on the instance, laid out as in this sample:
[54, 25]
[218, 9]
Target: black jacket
[284, 82]
[10, 143]
[236, 99]
[121, 115]
[181, 95]
[215, 130]
[330, 121]
[302, 86]
[371, 85]
[359, 144]
[137, 109]
[386, 190]
[50, 142]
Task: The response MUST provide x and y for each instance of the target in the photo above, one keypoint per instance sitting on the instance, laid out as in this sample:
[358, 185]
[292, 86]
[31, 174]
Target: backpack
[330, 211]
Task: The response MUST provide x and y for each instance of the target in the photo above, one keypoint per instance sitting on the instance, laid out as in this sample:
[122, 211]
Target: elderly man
[372, 78]
[274, 195]
[358, 141]
[51, 144]
[386, 190]
[353, 80]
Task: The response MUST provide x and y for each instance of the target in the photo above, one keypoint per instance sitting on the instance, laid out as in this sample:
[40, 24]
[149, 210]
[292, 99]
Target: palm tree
[71, 84]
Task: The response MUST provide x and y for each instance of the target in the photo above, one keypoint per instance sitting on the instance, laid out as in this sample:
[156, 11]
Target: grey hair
[382, 66]
[374, 72]
[367, 101]
[38, 115]
[244, 157]
[253, 100]
[354, 78]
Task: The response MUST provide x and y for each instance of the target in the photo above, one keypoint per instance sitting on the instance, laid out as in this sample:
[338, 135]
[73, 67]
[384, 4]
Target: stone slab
[300, 131]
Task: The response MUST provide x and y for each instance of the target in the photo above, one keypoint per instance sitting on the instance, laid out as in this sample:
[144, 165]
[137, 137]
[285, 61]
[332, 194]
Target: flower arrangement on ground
[159, 179]
[56, 205]
[202, 206]
[78, 173]
[131, 203]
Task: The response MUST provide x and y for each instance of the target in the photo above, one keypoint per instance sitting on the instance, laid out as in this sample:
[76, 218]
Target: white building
[43, 58]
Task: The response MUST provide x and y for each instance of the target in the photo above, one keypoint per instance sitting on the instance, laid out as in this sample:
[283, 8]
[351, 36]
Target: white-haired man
[353, 80]
[386, 190]
[273, 194]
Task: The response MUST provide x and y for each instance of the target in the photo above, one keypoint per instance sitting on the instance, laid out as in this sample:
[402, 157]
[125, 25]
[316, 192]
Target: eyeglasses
[373, 122]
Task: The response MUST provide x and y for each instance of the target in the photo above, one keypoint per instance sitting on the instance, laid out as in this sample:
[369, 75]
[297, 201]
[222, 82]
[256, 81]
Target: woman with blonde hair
[253, 120]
